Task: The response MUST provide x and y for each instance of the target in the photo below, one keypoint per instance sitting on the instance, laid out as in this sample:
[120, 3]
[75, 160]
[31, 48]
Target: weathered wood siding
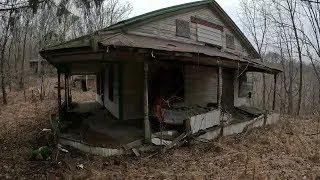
[132, 91]
[112, 106]
[166, 28]
[201, 85]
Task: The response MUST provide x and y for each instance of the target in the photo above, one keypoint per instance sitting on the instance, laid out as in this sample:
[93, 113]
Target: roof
[130, 40]
[85, 40]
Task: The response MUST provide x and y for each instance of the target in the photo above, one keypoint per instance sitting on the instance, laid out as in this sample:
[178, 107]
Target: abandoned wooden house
[185, 71]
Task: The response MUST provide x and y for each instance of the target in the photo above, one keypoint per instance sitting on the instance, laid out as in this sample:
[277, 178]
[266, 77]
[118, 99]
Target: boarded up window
[182, 28]
[230, 41]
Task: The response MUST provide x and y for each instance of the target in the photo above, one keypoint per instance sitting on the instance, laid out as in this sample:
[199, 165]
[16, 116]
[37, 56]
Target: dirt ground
[288, 150]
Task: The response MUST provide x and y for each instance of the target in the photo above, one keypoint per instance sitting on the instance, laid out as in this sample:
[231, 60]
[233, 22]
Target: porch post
[66, 90]
[220, 87]
[220, 98]
[59, 93]
[274, 92]
[147, 131]
[69, 89]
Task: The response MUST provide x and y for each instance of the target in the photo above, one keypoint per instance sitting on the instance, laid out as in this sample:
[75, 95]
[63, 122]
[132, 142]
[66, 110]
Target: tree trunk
[5, 40]
[21, 82]
[290, 91]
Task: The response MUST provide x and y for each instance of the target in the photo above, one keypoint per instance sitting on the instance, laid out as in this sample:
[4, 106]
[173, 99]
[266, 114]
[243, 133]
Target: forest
[285, 33]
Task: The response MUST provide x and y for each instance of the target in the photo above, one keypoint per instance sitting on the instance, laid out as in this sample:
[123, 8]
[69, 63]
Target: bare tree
[4, 39]
[255, 21]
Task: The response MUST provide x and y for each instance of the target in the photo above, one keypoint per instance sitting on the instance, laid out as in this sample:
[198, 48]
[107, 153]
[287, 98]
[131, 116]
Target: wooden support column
[59, 93]
[274, 92]
[220, 87]
[66, 90]
[69, 88]
[147, 130]
[222, 123]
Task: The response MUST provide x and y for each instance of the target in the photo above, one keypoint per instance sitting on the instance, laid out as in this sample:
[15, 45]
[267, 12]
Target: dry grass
[288, 150]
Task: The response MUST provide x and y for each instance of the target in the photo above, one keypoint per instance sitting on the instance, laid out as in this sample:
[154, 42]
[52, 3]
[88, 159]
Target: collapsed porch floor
[92, 124]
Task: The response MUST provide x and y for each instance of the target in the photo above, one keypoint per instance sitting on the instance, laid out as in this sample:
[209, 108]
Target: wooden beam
[274, 92]
[59, 94]
[147, 130]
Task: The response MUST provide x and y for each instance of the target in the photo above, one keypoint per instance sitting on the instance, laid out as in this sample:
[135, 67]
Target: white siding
[166, 29]
[132, 91]
[200, 85]
[112, 106]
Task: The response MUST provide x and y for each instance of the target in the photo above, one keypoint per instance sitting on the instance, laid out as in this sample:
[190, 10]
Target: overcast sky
[144, 6]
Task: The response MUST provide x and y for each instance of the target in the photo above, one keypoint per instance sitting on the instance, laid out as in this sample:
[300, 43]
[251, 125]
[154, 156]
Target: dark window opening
[245, 86]
[182, 28]
[111, 82]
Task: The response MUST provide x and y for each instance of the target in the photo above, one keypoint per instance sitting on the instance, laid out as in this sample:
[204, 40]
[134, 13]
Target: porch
[182, 87]
[92, 124]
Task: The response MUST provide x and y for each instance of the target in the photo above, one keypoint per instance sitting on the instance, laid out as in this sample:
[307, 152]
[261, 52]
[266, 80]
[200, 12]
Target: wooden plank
[133, 144]
[175, 142]
[136, 152]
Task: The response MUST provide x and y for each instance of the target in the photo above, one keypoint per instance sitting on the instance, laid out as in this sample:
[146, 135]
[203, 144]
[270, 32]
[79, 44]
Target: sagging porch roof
[122, 47]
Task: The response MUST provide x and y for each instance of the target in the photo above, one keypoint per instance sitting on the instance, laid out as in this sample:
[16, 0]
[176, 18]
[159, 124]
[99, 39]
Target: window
[245, 85]
[230, 41]
[182, 28]
[111, 82]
